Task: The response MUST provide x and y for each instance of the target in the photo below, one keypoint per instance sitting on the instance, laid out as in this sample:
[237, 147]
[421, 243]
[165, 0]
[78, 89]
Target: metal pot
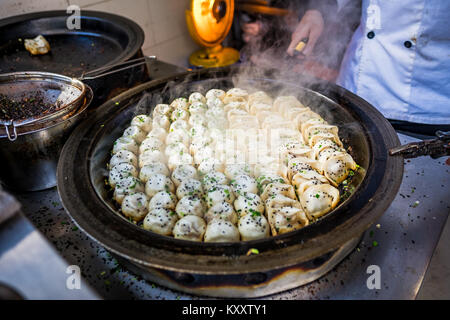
[224, 269]
[29, 162]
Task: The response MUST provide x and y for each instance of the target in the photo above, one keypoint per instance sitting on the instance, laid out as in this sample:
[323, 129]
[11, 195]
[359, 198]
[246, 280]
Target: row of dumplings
[174, 171]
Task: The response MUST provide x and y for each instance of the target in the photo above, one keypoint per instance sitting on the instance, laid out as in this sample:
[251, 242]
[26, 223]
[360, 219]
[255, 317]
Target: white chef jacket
[410, 84]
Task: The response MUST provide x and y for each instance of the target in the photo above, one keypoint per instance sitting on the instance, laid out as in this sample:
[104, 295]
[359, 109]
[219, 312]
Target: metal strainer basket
[56, 90]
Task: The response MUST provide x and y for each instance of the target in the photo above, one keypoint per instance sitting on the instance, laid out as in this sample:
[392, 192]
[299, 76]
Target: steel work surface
[401, 243]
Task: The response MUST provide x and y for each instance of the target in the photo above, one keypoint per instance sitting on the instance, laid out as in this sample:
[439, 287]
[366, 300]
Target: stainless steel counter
[401, 244]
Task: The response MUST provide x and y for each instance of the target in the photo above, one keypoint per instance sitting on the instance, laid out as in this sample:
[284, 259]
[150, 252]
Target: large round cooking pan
[367, 134]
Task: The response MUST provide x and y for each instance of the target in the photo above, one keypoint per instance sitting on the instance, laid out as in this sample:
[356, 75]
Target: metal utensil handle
[12, 137]
[132, 63]
[435, 148]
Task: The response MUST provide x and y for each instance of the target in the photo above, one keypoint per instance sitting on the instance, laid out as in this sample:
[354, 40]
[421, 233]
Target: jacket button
[407, 44]
[371, 34]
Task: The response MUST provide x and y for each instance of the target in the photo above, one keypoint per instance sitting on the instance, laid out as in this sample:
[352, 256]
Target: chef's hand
[311, 27]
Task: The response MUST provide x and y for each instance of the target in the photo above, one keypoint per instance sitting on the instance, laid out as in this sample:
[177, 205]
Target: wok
[224, 269]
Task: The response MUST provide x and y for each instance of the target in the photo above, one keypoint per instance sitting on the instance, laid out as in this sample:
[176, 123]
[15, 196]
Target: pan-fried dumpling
[305, 116]
[219, 193]
[213, 178]
[135, 133]
[305, 184]
[298, 164]
[214, 114]
[125, 143]
[325, 135]
[265, 179]
[179, 125]
[217, 135]
[274, 167]
[236, 105]
[190, 187]
[199, 142]
[292, 113]
[285, 214]
[219, 230]
[158, 133]
[309, 123]
[243, 183]
[284, 102]
[215, 93]
[222, 210]
[183, 173]
[275, 188]
[248, 203]
[162, 199]
[134, 206]
[157, 183]
[322, 144]
[161, 121]
[336, 169]
[277, 124]
[307, 174]
[253, 227]
[189, 228]
[190, 205]
[151, 156]
[214, 103]
[151, 143]
[151, 169]
[196, 97]
[121, 171]
[180, 103]
[235, 113]
[142, 121]
[320, 130]
[203, 154]
[161, 221]
[329, 152]
[319, 200]
[259, 97]
[235, 94]
[162, 109]
[178, 136]
[179, 159]
[208, 165]
[123, 156]
[197, 131]
[179, 114]
[255, 108]
[198, 108]
[235, 169]
[244, 122]
[291, 152]
[175, 148]
[126, 186]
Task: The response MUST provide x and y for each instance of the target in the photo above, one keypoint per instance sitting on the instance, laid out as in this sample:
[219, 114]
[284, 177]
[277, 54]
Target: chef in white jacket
[398, 59]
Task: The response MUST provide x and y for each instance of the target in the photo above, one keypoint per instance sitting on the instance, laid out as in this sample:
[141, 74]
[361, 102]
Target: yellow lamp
[209, 22]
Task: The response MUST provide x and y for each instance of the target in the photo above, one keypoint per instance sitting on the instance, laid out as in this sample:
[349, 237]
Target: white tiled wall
[163, 21]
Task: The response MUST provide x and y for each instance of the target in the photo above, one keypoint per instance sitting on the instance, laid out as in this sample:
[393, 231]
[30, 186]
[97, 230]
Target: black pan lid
[103, 39]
